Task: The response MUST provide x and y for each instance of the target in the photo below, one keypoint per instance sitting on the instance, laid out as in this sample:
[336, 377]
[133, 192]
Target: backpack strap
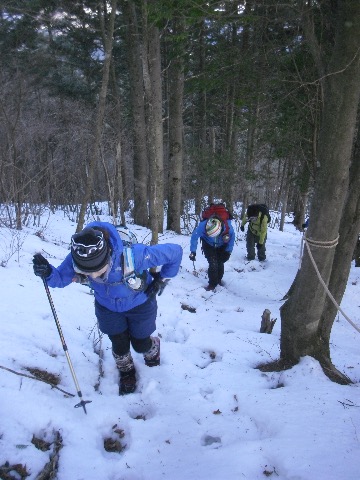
[132, 279]
[226, 227]
[128, 261]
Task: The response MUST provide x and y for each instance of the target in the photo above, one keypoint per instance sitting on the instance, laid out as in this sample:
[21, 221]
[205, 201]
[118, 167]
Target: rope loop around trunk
[328, 244]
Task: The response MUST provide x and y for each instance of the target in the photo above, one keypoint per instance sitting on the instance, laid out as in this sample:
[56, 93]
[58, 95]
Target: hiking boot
[126, 367]
[209, 288]
[250, 258]
[127, 382]
[152, 356]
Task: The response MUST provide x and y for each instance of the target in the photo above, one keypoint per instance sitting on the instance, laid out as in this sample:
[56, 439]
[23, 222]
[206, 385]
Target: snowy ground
[206, 413]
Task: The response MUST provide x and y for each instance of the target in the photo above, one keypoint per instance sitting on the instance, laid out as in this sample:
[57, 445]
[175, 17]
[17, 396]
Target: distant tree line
[201, 99]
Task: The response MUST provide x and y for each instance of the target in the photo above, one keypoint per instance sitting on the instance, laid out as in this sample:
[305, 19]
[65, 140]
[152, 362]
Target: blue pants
[140, 321]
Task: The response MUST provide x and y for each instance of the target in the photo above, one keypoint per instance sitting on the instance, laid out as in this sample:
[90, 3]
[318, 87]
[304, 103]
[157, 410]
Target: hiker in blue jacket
[125, 292]
[306, 224]
[216, 245]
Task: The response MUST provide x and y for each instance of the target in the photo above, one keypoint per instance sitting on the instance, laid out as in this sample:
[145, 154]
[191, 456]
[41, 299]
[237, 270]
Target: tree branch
[35, 378]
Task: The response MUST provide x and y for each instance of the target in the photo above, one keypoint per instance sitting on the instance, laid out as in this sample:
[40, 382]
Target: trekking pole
[82, 402]
[195, 272]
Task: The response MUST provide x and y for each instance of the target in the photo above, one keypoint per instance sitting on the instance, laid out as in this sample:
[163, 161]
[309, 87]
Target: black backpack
[254, 210]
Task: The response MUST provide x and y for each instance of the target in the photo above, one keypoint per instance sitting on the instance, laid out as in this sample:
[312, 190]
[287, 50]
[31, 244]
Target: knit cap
[90, 251]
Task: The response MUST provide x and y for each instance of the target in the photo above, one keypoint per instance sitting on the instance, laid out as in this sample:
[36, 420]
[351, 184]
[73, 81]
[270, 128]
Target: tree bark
[176, 150]
[302, 312]
[153, 92]
[349, 229]
[202, 153]
[141, 164]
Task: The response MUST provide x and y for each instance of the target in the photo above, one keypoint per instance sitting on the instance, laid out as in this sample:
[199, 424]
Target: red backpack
[218, 210]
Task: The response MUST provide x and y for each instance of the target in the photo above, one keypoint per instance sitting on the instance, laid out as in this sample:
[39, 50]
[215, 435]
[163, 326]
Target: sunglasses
[104, 275]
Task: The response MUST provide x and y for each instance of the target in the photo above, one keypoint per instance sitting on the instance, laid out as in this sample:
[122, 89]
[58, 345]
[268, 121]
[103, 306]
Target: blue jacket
[200, 232]
[113, 293]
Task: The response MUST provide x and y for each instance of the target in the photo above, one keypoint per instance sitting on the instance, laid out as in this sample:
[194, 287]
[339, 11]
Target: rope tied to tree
[320, 244]
[316, 243]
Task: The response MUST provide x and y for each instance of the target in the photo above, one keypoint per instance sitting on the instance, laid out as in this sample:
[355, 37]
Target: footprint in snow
[207, 440]
[207, 357]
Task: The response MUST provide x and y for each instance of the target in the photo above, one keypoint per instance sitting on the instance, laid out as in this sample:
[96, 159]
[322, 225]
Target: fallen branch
[97, 345]
[39, 379]
[50, 469]
[348, 403]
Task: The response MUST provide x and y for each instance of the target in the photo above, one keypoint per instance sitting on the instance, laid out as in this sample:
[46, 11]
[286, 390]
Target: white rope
[331, 244]
[301, 251]
[321, 244]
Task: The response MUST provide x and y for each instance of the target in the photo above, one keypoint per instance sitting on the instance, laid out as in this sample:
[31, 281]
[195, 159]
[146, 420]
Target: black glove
[192, 256]
[41, 266]
[258, 245]
[303, 226]
[242, 228]
[157, 286]
[226, 238]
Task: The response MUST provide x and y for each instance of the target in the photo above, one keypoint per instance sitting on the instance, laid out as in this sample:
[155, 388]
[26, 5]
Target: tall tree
[339, 61]
[136, 85]
[349, 229]
[176, 131]
[153, 91]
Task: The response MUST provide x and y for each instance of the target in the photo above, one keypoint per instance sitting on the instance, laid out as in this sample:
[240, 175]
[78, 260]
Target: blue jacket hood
[113, 293]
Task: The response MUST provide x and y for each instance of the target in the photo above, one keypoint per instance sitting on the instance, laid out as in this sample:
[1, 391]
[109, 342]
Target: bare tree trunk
[202, 157]
[211, 163]
[302, 198]
[118, 188]
[349, 229]
[284, 202]
[230, 145]
[118, 201]
[115, 180]
[94, 154]
[153, 91]
[302, 312]
[176, 151]
[356, 254]
[250, 155]
[141, 168]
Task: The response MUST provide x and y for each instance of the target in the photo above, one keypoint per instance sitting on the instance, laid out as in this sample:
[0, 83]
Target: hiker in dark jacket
[256, 233]
[217, 247]
[125, 291]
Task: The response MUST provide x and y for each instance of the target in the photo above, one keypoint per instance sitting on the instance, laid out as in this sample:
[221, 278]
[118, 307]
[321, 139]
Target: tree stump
[267, 325]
